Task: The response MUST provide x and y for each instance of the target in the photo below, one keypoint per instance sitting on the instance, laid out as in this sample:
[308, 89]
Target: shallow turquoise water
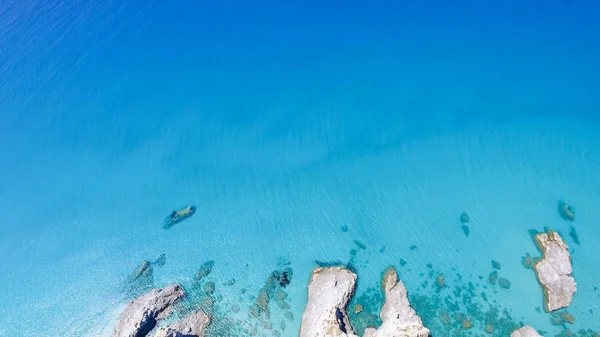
[281, 136]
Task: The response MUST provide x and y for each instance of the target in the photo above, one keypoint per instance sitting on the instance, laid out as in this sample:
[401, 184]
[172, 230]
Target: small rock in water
[527, 261]
[178, 216]
[161, 260]
[440, 281]
[493, 277]
[574, 235]
[556, 320]
[466, 323]
[566, 212]
[413, 247]
[464, 218]
[204, 270]
[209, 288]
[402, 262]
[382, 250]
[289, 315]
[358, 308]
[504, 283]
[566, 317]
[345, 229]
[230, 282]
[496, 264]
[466, 230]
[429, 265]
[444, 317]
[489, 328]
[360, 245]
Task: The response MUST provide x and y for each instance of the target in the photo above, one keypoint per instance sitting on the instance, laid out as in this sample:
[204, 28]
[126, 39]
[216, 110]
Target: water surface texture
[304, 133]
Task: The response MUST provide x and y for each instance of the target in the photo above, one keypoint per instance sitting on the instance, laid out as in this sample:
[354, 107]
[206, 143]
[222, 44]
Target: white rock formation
[554, 271]
[192, 326]
[329, 291]
[525, 331]
[399, 319]
[140, 316]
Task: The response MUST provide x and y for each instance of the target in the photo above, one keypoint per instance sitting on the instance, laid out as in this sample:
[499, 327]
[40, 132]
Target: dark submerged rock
[574, 235]
[464, 218]
[496, 264]
[504, 283]
[204, 270]
[566, 212]
[178, 216]
[493, 277]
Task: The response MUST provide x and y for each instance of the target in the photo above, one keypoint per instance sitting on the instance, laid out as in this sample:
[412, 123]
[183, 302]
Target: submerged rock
[178, 216]
[574, 235]
[143, 271]
[205, 270]
[566, 212]
[466, 230]
[192, 326]
[525, 331]
[493, 277]
[464, 218]
[554, 271]
[496, 264]
[504, 283]
[527, 261]
[566, 317]
[441, 282]
[141, 315]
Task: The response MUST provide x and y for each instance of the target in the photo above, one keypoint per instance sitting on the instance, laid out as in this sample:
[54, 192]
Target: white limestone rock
[192, 326]
[554, 271]
[399, 319]
[329, 291]
[525, 331]
[141, 315]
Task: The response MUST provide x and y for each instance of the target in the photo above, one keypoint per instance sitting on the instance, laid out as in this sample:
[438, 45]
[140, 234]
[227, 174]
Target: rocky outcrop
[398, 318]
[554, 271]
[192, 326]
[141, 315]
[331, 289]
[525, 331]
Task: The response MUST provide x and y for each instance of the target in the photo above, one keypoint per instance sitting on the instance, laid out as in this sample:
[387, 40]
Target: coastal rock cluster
[554, 271]
[142, 314]
[329, 292]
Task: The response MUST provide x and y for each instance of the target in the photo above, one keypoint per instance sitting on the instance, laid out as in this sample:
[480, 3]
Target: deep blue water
[282, 122]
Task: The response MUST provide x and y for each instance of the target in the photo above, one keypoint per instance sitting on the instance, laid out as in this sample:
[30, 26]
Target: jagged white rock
[192, 326]
[554, 271]
[329, 291]
[141, 315]
[525, 331]
[397, 316]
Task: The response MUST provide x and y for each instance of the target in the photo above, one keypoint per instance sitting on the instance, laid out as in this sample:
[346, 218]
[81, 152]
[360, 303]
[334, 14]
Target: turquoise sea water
[283, 123]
